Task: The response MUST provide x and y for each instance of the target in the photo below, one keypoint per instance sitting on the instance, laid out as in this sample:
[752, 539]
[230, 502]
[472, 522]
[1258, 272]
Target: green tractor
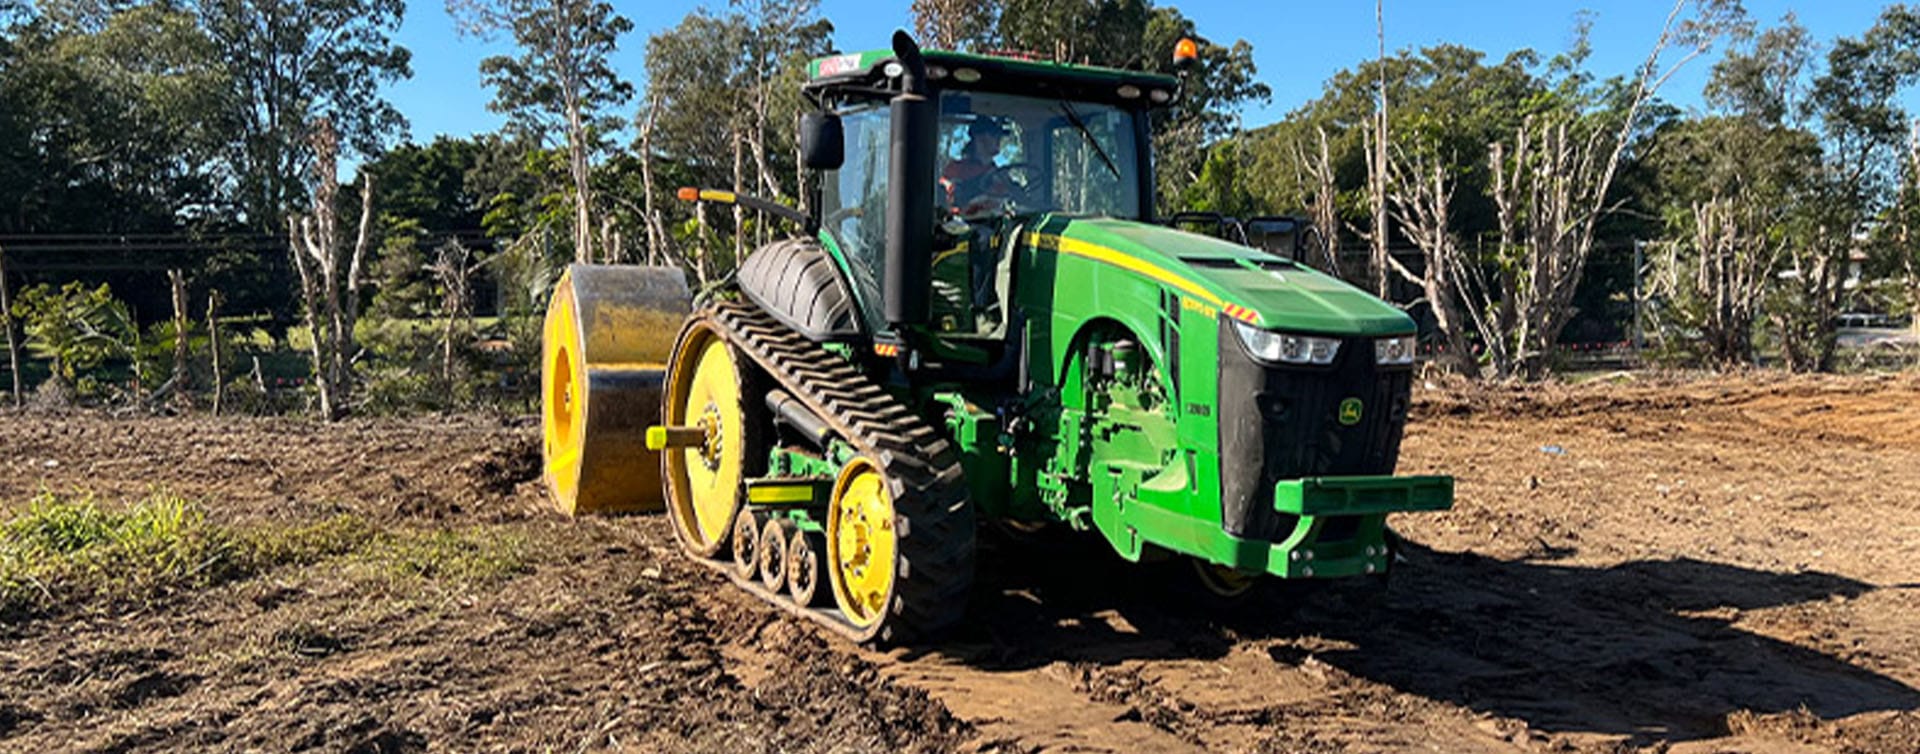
[984, 322]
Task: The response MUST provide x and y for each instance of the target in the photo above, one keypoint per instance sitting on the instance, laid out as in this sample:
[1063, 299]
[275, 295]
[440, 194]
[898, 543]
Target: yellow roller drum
[607, 335]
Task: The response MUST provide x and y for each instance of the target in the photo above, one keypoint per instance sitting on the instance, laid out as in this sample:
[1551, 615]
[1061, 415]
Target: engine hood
[1246, 284]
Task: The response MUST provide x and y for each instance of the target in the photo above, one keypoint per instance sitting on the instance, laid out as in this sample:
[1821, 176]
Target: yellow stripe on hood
[1120, 259]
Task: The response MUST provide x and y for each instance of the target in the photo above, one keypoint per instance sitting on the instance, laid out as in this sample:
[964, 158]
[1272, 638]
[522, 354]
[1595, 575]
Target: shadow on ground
[1643, 649]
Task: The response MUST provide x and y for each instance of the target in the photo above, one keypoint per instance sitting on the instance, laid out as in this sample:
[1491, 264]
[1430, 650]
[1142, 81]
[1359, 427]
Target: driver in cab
[974, 183]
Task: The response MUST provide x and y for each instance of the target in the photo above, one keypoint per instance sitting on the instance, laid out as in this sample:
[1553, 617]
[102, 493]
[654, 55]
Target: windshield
[1007, 153]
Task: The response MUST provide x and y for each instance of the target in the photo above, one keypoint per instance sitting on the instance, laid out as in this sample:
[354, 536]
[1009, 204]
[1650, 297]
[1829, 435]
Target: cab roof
[867, 71]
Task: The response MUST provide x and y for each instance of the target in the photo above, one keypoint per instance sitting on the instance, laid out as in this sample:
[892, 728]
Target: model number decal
[1197, 306]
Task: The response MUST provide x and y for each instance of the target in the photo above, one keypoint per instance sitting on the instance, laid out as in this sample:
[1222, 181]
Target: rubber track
[935, 520]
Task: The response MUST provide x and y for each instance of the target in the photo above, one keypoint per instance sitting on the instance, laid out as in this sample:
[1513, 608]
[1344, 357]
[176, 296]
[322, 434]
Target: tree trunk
[213, 348]
[739, 216]
[582, 190]
[6, 324]
[182, 379]
[311, 312]
[656, 230]
[1377, 168]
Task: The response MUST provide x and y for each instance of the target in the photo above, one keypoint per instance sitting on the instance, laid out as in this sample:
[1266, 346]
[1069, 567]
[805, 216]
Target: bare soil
[1641, 564]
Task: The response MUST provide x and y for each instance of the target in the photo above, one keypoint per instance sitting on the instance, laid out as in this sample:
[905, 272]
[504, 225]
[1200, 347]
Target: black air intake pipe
[908, 280]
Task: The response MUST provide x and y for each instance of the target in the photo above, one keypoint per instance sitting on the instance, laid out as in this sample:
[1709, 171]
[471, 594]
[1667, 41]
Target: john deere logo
[1350, 411]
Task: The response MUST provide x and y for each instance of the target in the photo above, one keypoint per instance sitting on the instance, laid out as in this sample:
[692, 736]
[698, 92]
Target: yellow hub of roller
[707, 476]
[861, 543]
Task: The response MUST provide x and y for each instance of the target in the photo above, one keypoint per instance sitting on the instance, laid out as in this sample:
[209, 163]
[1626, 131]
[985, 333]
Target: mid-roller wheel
[803, 568]
[746, 545]
[773, 553]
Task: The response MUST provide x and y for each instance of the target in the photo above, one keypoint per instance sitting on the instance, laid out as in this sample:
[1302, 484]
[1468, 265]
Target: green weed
[74, 553]
[59, 552]
[468, 558]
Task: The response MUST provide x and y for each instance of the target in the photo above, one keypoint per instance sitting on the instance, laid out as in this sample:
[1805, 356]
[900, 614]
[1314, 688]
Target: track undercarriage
[841, 504]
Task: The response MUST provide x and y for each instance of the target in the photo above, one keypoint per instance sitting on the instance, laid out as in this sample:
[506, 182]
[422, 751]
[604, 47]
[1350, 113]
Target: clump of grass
[472, 557]
[268, 547]
[62, 551]
[72, 552]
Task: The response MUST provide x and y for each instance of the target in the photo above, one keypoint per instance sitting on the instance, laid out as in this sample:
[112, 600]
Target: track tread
[936, 528]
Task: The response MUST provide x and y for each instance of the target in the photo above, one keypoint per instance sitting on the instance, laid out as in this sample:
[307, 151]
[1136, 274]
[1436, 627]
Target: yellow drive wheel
[1223, 582]
[704, 481]
[861, 543]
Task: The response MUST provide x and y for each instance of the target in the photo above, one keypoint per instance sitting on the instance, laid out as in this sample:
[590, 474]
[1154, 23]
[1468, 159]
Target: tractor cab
[991, 143]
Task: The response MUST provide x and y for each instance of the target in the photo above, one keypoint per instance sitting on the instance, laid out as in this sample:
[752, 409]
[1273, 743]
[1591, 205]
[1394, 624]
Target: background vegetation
[176, 231]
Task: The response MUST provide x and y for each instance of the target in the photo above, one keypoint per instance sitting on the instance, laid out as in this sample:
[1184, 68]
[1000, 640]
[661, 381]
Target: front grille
[1284, 423]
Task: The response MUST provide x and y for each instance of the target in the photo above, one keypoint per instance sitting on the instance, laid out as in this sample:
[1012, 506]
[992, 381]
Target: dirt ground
[1639, 564]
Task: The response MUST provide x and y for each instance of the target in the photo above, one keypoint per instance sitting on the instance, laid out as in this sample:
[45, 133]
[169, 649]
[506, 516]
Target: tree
[1420, 190]
[75, 327]
[722, 107]
[1730, 188]
[108, 121]
[6, 327]
[1865, 129]
[955, 24]
[330, 273]
[1551, 186]
[561, 81]
[292, 63]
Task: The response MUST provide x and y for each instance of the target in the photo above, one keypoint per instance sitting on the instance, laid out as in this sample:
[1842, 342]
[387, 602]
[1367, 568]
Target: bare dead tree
[1380, 259]
[213, 348]
[1547, 197]
[182, 379]
[453, 268]
[658, 240]
[1550, 194]
[1908, 196]
[6, 324]
[1420, 197]
[1816, 271]
[739, 181]
[330, 273]
[1714, 283]
[1322, 198]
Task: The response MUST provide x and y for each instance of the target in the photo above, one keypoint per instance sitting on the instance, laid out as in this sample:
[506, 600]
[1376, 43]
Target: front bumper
[1339, 526]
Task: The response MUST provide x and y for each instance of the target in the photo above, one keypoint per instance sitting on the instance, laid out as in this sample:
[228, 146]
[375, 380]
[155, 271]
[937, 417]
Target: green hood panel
[1247, 283]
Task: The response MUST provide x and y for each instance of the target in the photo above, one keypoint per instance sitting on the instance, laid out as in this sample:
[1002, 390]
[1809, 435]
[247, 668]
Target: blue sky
[1296, 45]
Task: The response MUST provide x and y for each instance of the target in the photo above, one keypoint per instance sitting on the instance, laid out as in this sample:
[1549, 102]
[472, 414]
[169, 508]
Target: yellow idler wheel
[704, 481]
[603, 350]
[861, 543]
[1222, 582]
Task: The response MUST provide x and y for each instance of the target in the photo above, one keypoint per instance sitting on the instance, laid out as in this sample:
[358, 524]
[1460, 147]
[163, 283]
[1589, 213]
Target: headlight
[1287, 348]
[1393, 351]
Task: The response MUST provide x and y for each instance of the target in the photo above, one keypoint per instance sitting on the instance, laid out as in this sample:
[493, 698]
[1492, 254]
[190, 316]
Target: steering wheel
[1018, 191]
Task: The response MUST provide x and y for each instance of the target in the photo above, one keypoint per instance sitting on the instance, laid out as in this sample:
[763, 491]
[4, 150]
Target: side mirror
[823, 144]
